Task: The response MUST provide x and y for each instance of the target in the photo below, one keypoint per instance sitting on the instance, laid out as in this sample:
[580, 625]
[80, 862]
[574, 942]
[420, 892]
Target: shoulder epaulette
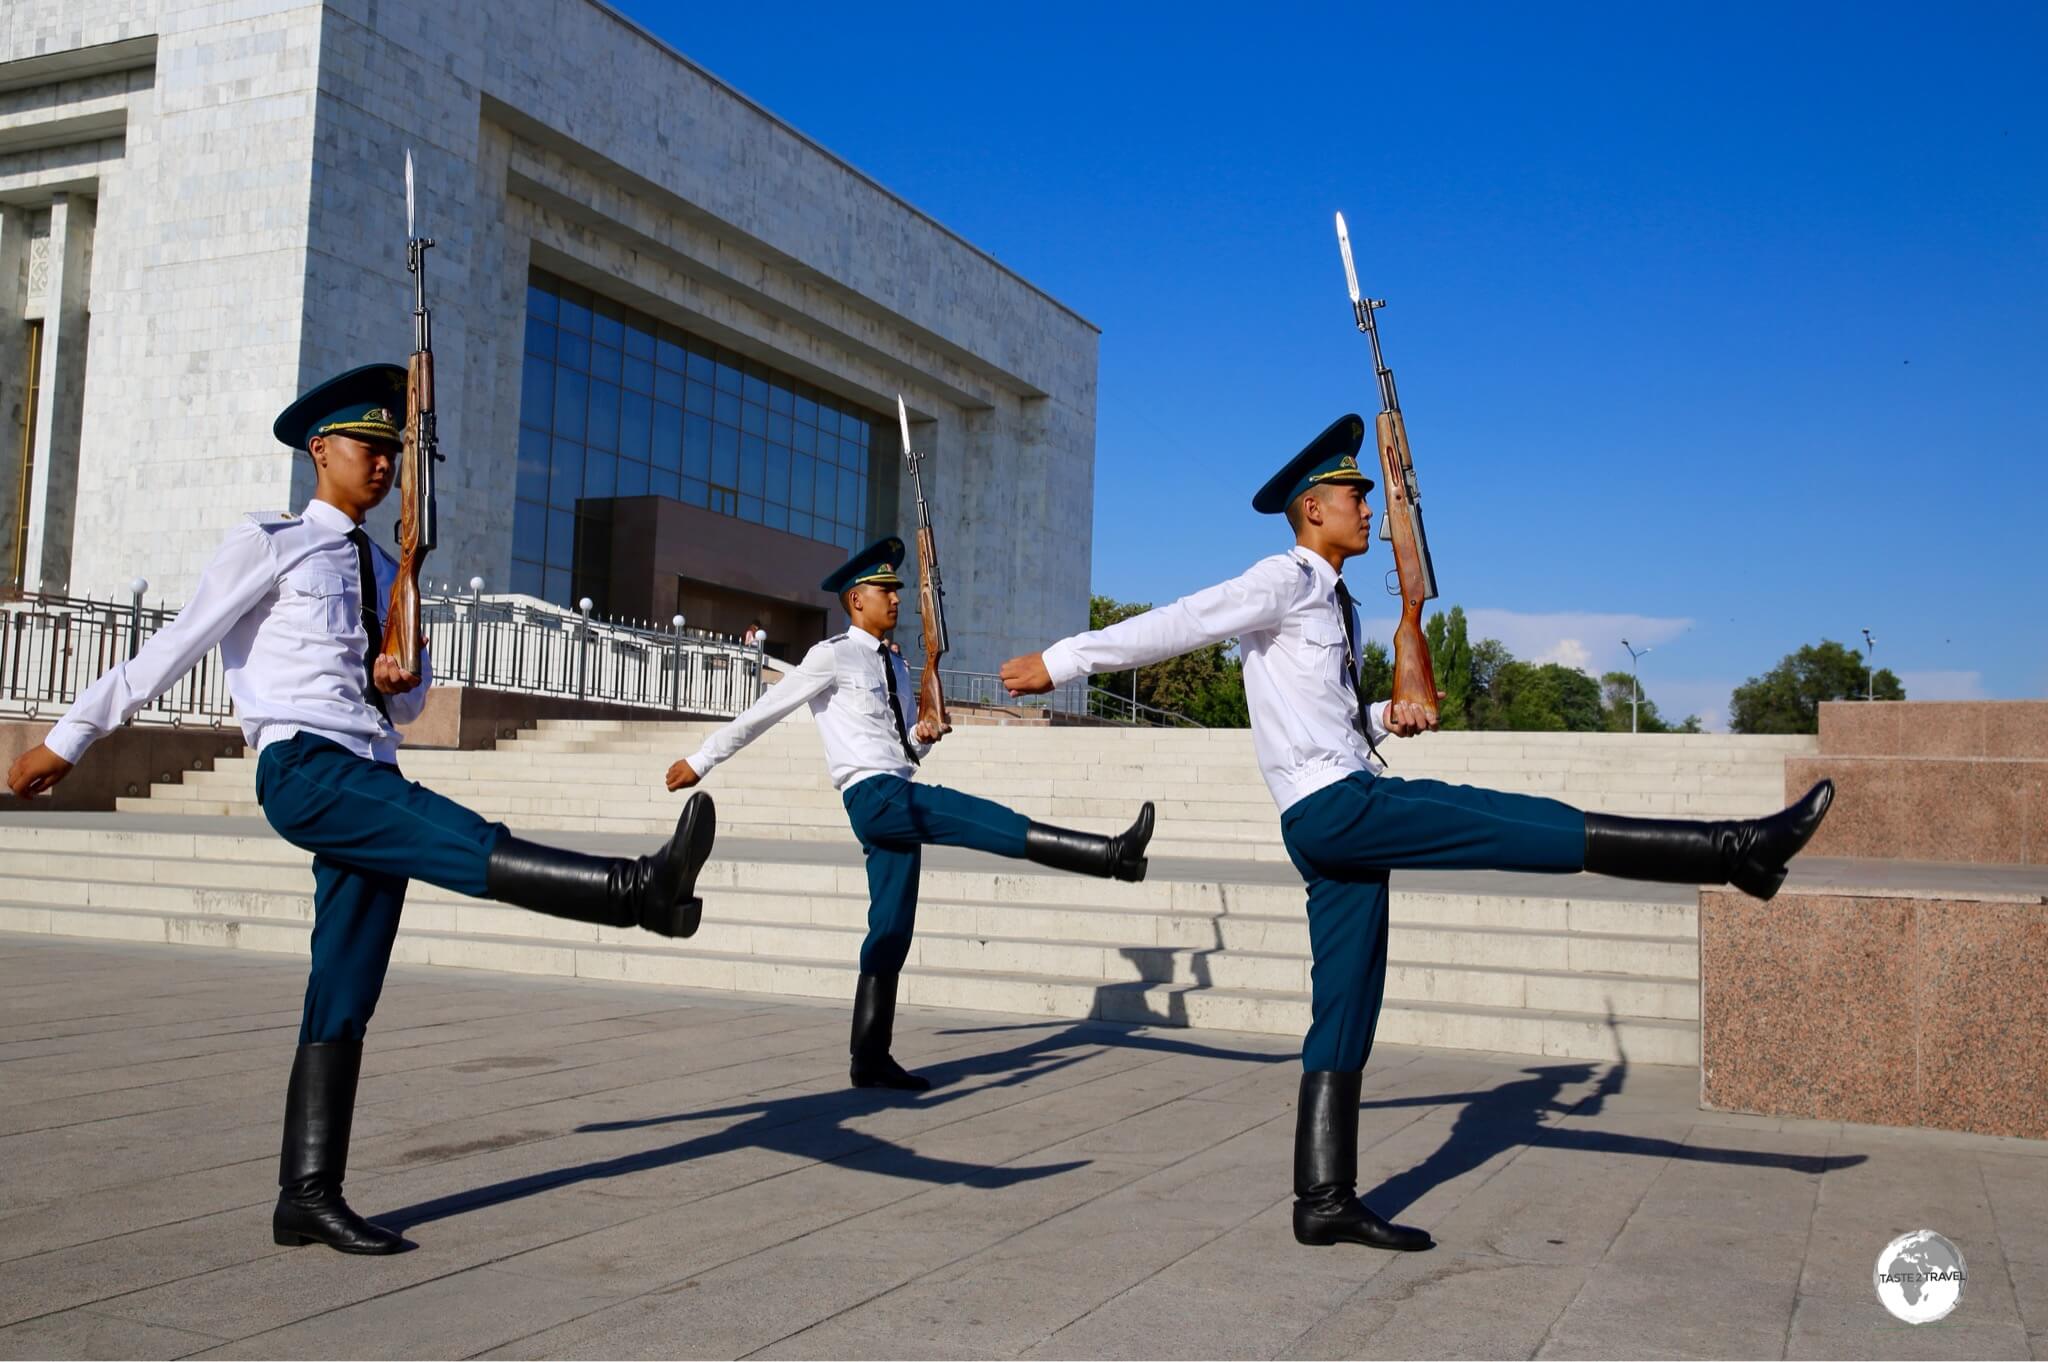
[274, 520]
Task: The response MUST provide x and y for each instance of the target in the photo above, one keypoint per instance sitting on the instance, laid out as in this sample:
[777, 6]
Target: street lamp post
[476, 613]
[1635, 703]
[1870, 667]
[135, 590]
[583, 648]
[676, 693]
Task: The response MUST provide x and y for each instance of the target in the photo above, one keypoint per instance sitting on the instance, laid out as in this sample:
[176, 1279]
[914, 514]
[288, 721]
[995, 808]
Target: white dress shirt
[282, 599]
[1285, 617]
[843, 682]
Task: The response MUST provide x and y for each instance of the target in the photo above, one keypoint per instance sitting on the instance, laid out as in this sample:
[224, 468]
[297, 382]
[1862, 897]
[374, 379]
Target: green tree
[1616, 690]
[1787, 698]
[1450, 654]
[1375, 671]
[1207, 685]
[1489, 656]
[1550, 698]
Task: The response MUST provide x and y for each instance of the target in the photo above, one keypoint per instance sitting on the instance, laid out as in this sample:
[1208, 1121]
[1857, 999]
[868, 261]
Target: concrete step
[1270, 954]
[1524, 973]
[1147, 913]
[1535, 1031]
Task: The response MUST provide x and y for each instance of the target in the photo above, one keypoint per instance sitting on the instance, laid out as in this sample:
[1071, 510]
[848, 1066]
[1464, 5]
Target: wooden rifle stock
[931, 695]
[1414, 673]
[402, 620]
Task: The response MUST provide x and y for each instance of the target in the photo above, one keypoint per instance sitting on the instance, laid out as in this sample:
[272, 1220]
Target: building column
[14, 231]
[53, 492]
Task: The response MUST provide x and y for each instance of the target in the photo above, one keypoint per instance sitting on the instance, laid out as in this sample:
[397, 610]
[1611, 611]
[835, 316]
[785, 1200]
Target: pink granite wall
[1857, 1006]
[1932, 780]
[2002, 729]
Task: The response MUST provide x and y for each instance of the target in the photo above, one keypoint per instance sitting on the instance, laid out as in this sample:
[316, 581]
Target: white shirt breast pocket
[323, 600]
[1324, 645]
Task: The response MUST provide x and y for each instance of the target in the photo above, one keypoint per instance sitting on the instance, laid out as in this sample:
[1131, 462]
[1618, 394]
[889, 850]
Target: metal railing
[516, 643]
[53, 647]
[1080, 697]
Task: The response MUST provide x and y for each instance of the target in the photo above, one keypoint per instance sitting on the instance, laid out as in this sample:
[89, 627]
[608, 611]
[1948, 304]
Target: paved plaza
[594, 1170]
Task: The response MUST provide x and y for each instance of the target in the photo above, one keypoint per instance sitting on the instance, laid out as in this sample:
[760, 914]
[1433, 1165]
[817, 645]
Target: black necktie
[895, 705]
[366, 578]
[1359, 699]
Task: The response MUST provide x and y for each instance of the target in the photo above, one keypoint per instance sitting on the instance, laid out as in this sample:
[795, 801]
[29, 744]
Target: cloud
[1571, 653]
[1944, 685]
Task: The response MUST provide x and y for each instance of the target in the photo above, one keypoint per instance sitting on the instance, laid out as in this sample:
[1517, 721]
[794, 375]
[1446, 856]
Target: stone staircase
[606, 776]
[1584, 971]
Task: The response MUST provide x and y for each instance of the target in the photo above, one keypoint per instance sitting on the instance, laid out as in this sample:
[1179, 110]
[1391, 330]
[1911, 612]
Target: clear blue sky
[1714, 325]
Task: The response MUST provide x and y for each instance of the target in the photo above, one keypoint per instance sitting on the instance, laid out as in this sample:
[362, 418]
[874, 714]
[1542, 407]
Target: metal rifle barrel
[1389, 399]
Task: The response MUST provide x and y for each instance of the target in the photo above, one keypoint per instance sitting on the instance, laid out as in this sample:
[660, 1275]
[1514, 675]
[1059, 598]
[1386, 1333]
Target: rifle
[931, 593]
[1414, 676]
[416, 518]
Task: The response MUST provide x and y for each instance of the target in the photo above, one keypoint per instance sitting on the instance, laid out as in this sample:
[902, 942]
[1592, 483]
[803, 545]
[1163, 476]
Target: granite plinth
[124, 763]
[1936, 728]
[1962, 809]
[1962, 781]
[475, 717]
[1876, 1006]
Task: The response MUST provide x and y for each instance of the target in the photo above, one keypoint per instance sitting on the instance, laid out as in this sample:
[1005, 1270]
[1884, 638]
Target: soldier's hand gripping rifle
[1414, 676]
[422, 447]
[931, 592]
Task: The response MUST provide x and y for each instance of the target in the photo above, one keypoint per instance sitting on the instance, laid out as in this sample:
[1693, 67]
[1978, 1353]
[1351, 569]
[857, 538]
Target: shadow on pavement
[811, 1125]
[1495, 1120]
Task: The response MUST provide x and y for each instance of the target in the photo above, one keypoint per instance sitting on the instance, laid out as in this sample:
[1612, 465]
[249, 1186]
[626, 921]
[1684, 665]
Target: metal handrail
[53, 647]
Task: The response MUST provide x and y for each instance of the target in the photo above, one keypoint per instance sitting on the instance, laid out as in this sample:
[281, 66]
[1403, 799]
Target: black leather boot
[874, 1026]
[656, 891]
[1749, 853]
[1120, 857]
[319, 1107]
[1326, 1205]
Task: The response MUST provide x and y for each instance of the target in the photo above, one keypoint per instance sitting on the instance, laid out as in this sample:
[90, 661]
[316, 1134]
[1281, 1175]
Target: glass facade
[616, 404]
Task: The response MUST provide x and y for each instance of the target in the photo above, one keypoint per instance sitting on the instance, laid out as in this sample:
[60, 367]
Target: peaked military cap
[368, 403]
[1331, 457]
[874, 565]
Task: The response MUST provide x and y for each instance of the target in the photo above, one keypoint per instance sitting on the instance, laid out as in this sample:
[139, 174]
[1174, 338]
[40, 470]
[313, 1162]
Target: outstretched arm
[242, 573]
[796, 688]
[1256, 600]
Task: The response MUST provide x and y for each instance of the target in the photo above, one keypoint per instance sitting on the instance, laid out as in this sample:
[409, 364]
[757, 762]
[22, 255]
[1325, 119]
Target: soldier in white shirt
[857, 686]
[1346, 824]
[285, 601]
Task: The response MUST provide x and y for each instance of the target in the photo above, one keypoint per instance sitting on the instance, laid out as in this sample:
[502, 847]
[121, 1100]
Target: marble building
[669, 328]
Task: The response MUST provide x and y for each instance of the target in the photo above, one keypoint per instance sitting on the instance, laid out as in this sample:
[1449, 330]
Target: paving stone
[593, 1169]
[83, 1333]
